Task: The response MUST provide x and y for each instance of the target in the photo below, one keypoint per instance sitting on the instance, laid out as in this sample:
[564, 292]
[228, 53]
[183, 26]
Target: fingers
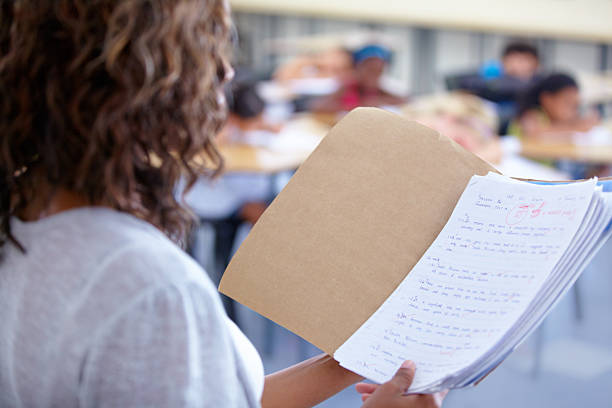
[403, 377]
[365, 388]
[391, 393]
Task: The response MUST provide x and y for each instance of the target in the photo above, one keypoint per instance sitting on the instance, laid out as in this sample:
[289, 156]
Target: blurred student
[245, 120]
[232, 199]
[503, 83]
[99, 308]
[550, 111]
[246, 114]
[520, 60]
[334, 63]
[468, 120]
[363, 87]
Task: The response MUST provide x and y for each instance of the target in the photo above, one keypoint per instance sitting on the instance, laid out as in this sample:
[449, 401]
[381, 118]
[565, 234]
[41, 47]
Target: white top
[103, 310]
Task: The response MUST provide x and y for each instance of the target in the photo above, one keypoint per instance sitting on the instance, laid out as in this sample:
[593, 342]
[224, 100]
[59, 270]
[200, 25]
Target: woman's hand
[391, 393]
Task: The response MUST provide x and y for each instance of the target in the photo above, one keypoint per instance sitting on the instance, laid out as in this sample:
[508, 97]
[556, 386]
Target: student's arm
[536, 129]
[306, 384]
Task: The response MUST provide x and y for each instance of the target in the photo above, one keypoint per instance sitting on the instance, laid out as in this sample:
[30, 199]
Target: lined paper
[478, 277]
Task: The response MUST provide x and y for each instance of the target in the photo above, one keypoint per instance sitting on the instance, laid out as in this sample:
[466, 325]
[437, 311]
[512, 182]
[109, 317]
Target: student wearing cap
[363, 86]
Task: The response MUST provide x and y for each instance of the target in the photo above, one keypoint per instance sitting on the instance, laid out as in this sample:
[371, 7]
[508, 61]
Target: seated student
[246, 118]
[521, 61]
[467, 119]
[232, 199]
[246, 114]
[99, 307]
[363, 87]
[503, 84]
[549, 111]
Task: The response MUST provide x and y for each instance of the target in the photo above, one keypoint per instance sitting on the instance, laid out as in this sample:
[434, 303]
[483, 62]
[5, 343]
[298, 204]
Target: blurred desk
[275, 153]
[593, 147]
[586, 154]
[513, 165]
[254, 159]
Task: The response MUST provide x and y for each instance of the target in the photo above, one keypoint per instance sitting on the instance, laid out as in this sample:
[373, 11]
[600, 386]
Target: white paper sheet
[473, 283]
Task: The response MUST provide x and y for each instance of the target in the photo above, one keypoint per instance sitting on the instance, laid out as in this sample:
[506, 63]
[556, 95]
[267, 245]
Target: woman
[104, 105]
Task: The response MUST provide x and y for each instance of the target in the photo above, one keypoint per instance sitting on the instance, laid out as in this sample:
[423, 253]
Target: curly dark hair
[113, 100]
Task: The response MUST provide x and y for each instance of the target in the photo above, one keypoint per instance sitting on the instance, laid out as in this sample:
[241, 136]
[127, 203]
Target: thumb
[403, 377]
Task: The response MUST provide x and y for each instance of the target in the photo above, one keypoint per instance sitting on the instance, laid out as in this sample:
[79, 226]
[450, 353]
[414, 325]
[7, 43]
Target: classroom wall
[578, 19]
[423, 57]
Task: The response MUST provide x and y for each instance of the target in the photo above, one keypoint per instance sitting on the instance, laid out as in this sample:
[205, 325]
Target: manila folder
[350, 225]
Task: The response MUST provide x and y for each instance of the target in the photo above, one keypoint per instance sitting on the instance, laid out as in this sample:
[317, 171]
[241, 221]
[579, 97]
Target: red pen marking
[517, 214]
[538, 211]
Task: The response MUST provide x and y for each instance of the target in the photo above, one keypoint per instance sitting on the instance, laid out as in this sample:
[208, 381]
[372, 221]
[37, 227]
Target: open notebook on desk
[391, 242]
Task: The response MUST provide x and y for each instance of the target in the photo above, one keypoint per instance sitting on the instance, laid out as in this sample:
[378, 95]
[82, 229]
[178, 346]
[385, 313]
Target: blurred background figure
[335, 63]
[363, 87]
[246, 118]
[502, 82]
[550, 110]
[467, 119]
[520, 60]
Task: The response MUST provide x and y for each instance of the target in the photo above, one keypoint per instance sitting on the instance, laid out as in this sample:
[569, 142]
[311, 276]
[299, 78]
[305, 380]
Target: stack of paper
[392, 242]
[508, 252]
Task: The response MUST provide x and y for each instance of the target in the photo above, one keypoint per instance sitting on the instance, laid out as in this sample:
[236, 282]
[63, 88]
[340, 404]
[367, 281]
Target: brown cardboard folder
[350, 225]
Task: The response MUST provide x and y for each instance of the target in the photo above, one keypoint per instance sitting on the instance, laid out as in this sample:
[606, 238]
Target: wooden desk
[287, 151]
[585, 154]
[252, 159]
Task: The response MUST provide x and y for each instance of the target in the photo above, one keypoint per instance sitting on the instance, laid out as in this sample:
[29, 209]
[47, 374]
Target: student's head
[244, 102]
[520, 60]
[336, 62]
[370, 63]
[556, 94]
[110, 100]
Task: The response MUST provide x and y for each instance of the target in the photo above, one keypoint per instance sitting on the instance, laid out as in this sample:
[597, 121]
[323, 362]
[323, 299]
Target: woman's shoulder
[106, 251]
